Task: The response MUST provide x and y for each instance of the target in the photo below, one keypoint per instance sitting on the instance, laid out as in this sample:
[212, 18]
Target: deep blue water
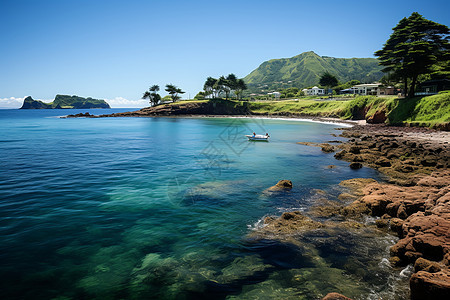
[137, 208]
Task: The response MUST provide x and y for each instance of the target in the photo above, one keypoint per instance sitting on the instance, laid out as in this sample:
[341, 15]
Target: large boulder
[425, 285]
[281, 185]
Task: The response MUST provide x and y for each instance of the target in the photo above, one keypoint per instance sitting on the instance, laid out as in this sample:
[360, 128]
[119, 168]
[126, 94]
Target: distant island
[65, 102]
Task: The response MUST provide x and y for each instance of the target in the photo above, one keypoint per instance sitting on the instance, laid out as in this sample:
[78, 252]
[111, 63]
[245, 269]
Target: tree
[415, 46]
[231, 83]
[221, 86]
[152, 95]
[328, 80]
[240, 87]
[208, 87]
[225, 85]
[174, 91]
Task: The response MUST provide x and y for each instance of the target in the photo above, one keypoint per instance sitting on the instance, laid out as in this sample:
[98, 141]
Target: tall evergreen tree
[415, 46]
[328, 80]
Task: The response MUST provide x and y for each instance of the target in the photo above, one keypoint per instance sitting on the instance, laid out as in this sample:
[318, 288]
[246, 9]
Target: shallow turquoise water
[161, 208]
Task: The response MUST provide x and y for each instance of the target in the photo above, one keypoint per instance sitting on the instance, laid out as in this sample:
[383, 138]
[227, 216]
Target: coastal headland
[430, 111]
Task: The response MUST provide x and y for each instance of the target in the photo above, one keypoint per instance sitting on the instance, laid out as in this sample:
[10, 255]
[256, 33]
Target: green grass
[426, 111]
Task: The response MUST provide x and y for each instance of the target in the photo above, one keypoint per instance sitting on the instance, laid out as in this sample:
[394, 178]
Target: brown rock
[355, 165]
[289, 223]
[335, 296]
[423, 264]
[327, 148]
[397, 225]
[281, 185]
[377, 118]
[426, 285]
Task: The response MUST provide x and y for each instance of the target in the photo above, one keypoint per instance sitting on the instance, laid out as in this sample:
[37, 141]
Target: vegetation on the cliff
[174, 91]
[64, 101]
[423, 111]
[214, 87]
[427, 111]
[305, 70]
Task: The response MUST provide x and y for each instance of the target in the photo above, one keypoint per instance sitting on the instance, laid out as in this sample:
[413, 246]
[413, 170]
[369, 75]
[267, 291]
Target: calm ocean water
[160, 208]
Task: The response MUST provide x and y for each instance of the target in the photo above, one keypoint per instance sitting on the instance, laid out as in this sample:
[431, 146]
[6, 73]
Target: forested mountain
[304, 70]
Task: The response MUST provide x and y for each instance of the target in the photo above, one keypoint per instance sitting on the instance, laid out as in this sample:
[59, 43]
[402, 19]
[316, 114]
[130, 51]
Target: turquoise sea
[162, 208]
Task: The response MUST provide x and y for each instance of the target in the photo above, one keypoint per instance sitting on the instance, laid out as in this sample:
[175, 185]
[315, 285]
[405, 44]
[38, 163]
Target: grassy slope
[305, 69]
[427, 111]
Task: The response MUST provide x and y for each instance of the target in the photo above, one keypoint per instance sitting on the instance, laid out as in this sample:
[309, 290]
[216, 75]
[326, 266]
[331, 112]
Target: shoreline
[315, 119]
[413, 202]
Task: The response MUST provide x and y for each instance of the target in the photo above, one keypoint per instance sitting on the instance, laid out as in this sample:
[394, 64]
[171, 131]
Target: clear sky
[115, 50]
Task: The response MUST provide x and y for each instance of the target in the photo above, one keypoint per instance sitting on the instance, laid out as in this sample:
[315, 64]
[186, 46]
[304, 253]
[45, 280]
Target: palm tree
[151, 94]
[174, 91]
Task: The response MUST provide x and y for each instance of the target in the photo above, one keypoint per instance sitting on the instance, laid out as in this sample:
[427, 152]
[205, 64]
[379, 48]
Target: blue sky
[115, 50]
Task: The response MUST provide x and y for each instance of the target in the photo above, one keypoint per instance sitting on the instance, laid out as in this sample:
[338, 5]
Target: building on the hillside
[363, 89]
[388, 90]
[277, 95]
[314, 91]
[431, 87]
[366, 89]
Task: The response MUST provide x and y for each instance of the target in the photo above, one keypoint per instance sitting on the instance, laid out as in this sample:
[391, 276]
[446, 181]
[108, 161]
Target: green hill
[65, 101]
[305, 69]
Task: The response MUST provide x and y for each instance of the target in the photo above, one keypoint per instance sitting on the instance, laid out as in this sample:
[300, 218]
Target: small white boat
[258, 137]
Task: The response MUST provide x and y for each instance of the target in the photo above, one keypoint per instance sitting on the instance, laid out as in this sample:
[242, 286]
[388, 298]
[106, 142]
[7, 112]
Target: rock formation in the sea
[415, 203]
[30, 103]
[65, 101]
[281, 185]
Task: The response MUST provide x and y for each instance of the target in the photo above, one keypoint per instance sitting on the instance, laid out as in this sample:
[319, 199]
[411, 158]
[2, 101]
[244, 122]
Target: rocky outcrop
[281, 185]
[415, 203]
[391, 151]
[379, 117]
[425, 285]
[30, 103]
[287, 224]
[213, 107]
[80, 115]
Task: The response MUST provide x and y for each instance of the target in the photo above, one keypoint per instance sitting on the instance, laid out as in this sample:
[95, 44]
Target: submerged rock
[287, 224]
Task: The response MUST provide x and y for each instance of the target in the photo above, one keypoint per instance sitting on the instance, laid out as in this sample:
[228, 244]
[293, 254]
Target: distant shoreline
[315, 119]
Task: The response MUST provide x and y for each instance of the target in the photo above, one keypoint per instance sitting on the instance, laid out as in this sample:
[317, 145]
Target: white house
[366, 89]
[275, 94]
[315, 91]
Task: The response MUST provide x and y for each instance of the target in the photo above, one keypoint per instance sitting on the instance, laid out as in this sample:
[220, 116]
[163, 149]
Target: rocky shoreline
[413, 202]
